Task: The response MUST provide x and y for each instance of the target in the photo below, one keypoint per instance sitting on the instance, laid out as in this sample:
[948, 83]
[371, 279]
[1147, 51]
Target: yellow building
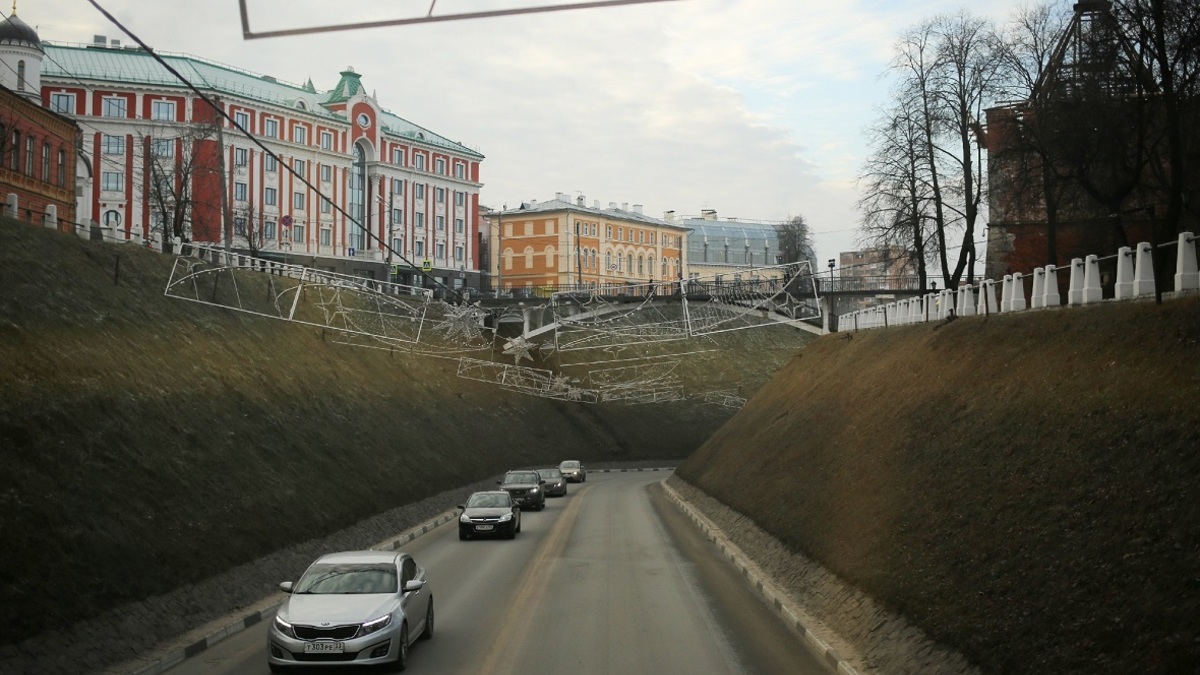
[562, 244]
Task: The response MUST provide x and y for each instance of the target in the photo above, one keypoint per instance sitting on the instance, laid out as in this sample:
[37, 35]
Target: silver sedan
[352, 608]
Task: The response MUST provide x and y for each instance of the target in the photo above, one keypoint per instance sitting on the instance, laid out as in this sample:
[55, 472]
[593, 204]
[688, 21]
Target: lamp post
[832, 263]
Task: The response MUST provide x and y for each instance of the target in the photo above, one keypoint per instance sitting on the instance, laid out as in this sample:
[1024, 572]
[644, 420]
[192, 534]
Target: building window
[398, 245]
[298, 201]
[458, 254]
[420, 249]
[419, 162]
[298, 233]
[300, 166]
[458, 225]
[241, 156]
[326, 173]
[242, 119]
[239, 192]
[46, 162]
[398, 156]
[356, 198]
[326, 206]
[397, 217]
[271, 128]
[29, 143]
[419, 191]
[112, 145]
[62, 167]
[441, 251]
[270, 163]
[460, 170]
[162, 147]
[326, 236]
[299, 134]
[270, 196]
[440, 195]
[239, 226]
[162, 110]
[16, 151]
[440, 166]
[112, 181]
[419, 221]
[326, 140]
[112, 218]
[441, 223]
[459, 198]
[269, 230]
[62, 103]
[629, 260]
[114, 106]
[398, 187]
[20, 70]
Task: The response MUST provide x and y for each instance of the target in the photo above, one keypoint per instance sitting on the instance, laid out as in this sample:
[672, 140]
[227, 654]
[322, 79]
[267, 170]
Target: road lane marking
[502, 655]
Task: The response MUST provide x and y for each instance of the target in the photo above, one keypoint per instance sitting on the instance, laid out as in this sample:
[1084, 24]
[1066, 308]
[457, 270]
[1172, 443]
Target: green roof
[90, 65]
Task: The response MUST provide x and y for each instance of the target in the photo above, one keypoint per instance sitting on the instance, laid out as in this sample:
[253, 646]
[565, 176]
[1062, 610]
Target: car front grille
[317, 633]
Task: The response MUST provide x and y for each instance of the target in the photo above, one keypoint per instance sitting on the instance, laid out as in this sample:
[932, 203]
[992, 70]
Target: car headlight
[285, 628]
[375, 625]
[464, 518]
[534, 490]
[506, 517]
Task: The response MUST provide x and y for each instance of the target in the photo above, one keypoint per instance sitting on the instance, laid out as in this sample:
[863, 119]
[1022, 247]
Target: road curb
[178, 656]
[762, 585]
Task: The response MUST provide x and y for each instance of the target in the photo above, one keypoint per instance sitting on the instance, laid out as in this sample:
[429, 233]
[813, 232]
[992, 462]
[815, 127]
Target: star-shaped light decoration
[463, 320]
[520, 348]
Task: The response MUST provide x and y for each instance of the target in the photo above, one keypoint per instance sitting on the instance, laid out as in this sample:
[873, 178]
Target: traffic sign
[427, 265]
[287, 221]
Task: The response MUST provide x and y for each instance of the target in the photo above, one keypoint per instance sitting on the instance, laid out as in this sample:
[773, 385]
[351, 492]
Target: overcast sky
[753, 108]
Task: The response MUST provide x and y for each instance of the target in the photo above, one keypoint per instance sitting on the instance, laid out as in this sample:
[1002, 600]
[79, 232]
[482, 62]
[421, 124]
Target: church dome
[14, 31]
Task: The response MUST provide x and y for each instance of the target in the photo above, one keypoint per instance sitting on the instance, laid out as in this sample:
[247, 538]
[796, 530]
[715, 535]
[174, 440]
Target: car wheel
[428, 632]
[402, 656]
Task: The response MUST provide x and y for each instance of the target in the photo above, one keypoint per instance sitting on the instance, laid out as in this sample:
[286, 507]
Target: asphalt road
[610, 579]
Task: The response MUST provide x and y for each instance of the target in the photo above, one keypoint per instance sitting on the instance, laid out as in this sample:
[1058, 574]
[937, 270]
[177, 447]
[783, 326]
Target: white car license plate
[483, 528]
[324, 647]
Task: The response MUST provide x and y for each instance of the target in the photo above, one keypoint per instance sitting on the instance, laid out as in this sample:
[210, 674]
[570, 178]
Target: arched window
[549, 252]
[508, 258]
[641, 265]
[21, 75]
[608, 260]
[356, 199]
[629, 266]
[112, 218]
[528, 257]
[16, 151]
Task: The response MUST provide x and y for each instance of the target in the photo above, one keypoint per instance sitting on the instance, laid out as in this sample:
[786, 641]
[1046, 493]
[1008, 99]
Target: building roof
[92, 64]
[731, 229]
[567, 205]
[14, 31]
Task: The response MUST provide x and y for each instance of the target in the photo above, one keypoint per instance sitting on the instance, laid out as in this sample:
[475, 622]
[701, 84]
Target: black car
[556, 482]
[489, 514]
[525, 488]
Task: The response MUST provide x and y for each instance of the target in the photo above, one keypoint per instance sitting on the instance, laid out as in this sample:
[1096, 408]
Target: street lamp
[832, 262]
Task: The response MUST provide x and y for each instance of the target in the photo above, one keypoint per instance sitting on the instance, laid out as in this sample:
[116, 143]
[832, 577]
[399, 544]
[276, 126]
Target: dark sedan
[556, 482]
[489, 514]
[525, 488]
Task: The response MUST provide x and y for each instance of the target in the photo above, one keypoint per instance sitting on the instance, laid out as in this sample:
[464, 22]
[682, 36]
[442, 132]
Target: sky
[753, 108]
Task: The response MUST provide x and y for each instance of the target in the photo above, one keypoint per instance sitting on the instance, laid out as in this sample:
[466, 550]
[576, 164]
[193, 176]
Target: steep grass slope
[149, 443]
[1024, 488]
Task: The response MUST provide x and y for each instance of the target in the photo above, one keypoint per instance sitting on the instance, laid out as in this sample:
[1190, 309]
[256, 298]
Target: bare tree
[171, 166]
[795, 241]
[896, 201]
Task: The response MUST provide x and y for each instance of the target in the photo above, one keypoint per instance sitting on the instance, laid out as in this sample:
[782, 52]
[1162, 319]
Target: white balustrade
[966, 301]
[1037, 298]
[1091, 280]
[1187, 278]
[1050, 295]
[1018, 292]
[1143, 271]
[1124, 286]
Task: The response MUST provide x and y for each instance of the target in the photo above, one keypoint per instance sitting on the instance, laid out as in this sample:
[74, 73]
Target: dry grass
[150, 443]
[1024, 488]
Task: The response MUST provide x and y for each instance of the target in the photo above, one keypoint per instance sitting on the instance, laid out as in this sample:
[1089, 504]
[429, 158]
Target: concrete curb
[180, 655]
[762, 585]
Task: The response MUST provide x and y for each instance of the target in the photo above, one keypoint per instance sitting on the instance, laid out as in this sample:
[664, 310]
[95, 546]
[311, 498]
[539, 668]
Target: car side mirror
[413, 585]
[286, 587]
[461, 506]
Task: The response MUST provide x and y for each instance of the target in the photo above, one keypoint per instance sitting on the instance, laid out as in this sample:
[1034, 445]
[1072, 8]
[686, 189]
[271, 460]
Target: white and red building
[319, 178]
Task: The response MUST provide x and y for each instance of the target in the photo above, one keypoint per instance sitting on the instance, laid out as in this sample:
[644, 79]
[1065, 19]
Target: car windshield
[514, 478]
[570, 465]
[487, 501]
[348, 578]
[550, 474]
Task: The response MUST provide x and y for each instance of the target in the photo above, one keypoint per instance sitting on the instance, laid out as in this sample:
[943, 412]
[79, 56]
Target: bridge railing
[1135, 278]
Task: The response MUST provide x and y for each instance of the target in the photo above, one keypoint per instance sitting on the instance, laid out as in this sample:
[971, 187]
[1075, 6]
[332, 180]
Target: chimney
[624, 206]
[579, 201]
[637, 208]
[99, 41]
[669, 216]
[612, 206]
[561, 196]
[708, 214]
[596, 204]
[115, 44]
